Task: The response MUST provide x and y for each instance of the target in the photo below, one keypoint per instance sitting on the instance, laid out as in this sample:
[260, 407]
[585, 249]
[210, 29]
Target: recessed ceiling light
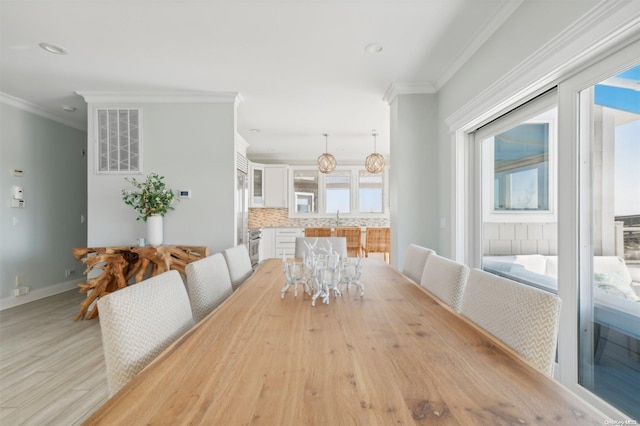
[52, 48]
[373, 48]
[68, 108]
[256, 130]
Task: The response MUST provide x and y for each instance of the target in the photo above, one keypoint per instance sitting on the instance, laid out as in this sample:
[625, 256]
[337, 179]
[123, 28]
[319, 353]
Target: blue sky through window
[627, 169]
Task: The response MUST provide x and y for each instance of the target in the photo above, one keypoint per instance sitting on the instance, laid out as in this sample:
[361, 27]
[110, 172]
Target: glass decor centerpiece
[150, 198]
[321, 271]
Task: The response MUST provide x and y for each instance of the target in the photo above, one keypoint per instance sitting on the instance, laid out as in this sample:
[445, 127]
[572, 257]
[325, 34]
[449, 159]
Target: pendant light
[374, 163]
[326, 162]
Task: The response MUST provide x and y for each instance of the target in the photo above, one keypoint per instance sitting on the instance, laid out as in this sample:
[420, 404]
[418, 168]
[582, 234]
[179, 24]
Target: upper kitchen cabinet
[269, 185]
[256, 185]
[276, 181]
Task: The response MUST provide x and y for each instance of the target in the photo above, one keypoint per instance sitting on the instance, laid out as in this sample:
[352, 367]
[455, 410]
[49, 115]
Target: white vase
[154, 230]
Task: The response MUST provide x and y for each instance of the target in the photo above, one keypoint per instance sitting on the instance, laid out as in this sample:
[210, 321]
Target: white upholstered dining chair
[338, 244]
[239, 264]
[208, 284]
[140, 321]
[445, 279]
[523, 317]
[414, 261]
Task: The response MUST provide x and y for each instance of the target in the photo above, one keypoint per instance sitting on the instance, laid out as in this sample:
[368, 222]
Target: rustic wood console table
[122, 263]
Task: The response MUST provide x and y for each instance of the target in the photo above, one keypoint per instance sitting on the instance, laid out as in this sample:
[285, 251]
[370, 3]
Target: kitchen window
[370, 192]
[305, 190]
[348, 190]
[338, 192]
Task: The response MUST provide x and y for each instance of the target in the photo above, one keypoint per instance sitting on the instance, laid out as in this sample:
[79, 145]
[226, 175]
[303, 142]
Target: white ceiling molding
[239, 99]
[161, 97]
[478, 39]
[396, 89]
[35, 109]
[608, 23]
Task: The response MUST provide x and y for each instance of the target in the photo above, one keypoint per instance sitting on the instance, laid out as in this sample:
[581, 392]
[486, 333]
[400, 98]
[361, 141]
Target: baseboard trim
[37, 294]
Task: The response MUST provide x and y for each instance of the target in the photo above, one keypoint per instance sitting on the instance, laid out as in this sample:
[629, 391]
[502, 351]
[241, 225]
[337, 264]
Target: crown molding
[161, 97]
[396, 89]
[38, 110]
[478, 39]
[238, 100]
[608, 23]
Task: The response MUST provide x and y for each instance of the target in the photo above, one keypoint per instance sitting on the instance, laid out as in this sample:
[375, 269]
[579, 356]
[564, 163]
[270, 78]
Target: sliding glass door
[551, 196]
[518, 162]
[609, 144]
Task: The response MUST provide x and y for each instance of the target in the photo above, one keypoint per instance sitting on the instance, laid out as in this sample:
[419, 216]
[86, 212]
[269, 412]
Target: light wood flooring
[52, 368]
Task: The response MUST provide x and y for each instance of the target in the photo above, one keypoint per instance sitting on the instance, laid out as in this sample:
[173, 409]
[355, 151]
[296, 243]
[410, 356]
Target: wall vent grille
[119, 140]
[242, 163]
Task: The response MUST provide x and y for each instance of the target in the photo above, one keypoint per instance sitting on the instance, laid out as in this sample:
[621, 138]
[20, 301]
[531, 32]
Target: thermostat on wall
[185, 193]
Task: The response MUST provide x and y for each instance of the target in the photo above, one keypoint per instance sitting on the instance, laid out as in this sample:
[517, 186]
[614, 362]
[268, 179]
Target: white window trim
[486, 160]
[355, 187]
[574, 242]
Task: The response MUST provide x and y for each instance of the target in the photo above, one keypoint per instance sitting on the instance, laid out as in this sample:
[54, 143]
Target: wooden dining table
[393, 356]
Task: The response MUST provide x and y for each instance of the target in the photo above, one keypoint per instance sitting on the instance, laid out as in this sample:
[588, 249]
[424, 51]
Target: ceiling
[299, 65]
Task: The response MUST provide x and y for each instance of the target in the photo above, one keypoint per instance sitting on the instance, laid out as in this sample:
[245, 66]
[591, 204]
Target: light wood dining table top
[394, 356]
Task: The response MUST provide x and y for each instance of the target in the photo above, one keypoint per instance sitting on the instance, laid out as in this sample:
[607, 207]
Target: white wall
[413, 174]
[528, 29]
[36, 241]
[192, 145]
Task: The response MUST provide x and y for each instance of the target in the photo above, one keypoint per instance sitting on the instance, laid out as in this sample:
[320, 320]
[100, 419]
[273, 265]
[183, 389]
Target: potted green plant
[152, 200]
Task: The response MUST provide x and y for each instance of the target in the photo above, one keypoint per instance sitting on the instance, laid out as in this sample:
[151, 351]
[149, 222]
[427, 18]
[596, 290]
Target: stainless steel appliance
[255, 236]
[242, 199]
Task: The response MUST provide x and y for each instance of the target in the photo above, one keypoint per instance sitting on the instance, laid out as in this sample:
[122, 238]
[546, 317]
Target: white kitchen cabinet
[256, 185]
[276, 180]
[268, 244]
[285, 239]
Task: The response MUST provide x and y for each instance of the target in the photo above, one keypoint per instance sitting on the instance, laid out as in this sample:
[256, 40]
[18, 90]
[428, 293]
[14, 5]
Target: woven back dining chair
[354, 239]
[414, 260]
[239, 264]
[378, 240]
[140, 321]
[445, 279]
[208, 284]
[317, 232]
[523, 317]
[338, 244]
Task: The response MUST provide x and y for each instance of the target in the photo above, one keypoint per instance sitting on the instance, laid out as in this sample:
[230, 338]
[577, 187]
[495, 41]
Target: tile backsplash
[264, 217]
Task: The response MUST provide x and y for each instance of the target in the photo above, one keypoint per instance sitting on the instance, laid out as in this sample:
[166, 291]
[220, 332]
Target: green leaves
[150, 198]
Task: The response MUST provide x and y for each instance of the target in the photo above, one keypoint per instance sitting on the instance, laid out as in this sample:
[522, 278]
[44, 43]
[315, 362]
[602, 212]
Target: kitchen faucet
[338, 218]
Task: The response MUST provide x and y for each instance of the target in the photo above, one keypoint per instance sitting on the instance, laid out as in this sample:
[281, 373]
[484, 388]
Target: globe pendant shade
[326, 163]
[374, 163]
